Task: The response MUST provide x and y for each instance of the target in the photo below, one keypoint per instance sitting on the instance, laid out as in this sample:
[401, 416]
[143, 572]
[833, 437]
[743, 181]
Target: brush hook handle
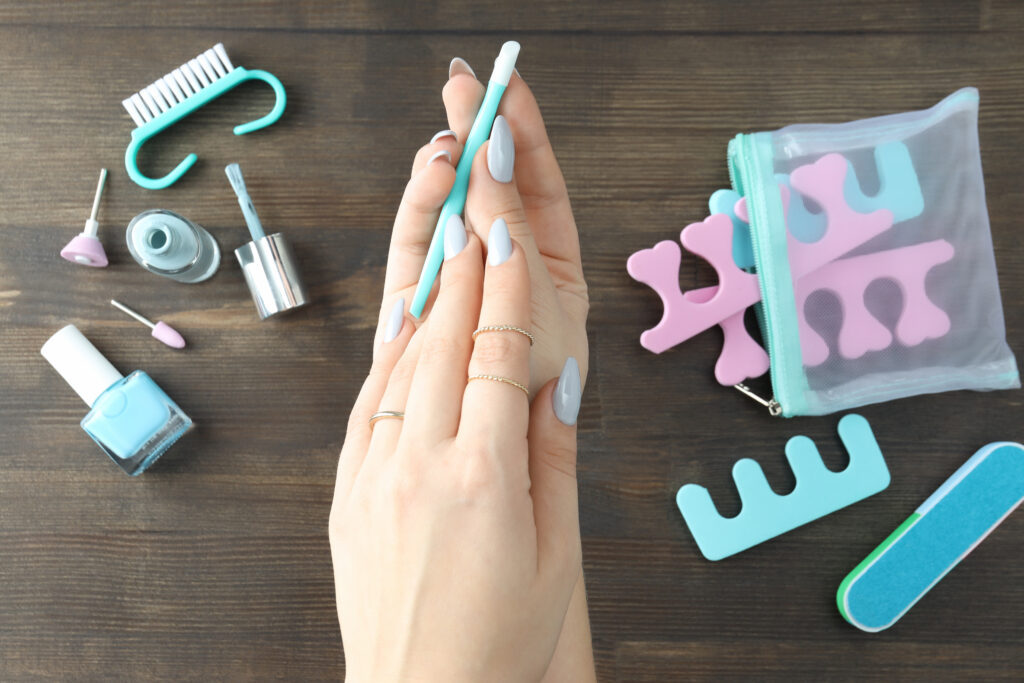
[211, 92]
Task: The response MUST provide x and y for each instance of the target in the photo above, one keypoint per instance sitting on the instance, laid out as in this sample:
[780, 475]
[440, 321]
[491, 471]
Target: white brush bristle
[178, 85]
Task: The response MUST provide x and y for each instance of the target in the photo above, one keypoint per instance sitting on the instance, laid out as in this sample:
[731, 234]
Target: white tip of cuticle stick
[505, 63]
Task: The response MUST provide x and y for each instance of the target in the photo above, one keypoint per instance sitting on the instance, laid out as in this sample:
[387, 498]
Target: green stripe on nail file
[933, 540]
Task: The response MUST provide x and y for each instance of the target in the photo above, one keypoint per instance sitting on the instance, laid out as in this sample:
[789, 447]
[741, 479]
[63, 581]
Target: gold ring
[505, 380]
[385, 415]
[502, 328]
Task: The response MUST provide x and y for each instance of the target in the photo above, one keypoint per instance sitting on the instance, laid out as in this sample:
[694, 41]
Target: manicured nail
[501, 153]
[499, 244]
[460, 66]
[395, 320]
[566, 397]
[437, 155]
[454, 236]
[444, 134]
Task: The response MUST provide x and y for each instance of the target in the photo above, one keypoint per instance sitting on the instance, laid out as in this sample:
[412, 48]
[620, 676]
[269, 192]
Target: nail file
[765, 514]
[933, 540]
[504, 64]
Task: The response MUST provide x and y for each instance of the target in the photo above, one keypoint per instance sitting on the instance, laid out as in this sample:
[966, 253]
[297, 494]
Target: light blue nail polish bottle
[131, 418]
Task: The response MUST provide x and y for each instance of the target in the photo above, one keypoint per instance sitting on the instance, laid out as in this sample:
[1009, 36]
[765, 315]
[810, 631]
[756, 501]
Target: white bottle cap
[80, 364]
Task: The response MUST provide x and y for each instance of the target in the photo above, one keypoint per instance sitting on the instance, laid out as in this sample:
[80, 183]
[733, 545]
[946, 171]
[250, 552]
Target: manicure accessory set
[131, 418]
[797, 237]
[864, 250]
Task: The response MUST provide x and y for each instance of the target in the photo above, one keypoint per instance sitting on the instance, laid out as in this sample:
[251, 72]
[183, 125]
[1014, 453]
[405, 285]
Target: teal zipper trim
[752, 176]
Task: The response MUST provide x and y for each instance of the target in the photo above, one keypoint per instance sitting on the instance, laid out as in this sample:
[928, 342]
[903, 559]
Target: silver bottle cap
[271, 273]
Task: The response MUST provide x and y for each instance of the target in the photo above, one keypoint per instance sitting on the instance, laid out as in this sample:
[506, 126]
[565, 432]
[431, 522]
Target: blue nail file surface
[933, 540]
[765, 514]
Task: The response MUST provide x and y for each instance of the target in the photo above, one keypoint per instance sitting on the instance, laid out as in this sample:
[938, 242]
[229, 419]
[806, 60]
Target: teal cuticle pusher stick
[504, 64]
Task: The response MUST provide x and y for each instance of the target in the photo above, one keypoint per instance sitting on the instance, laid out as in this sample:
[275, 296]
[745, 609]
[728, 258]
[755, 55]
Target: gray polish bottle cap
[271, 274]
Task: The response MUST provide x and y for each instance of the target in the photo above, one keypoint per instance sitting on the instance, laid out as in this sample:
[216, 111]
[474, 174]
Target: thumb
[552, 439]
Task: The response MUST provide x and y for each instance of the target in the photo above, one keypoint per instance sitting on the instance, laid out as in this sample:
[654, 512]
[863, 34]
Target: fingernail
[454, 236]
[460, 66]
[501, 153]
[499, 244]
[437, 155]
[566, 398]
[444, 134]
[395, 320]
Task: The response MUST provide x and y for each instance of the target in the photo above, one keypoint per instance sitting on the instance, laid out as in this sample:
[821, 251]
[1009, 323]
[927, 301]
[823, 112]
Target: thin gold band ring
[503, 380]
[502, 328]
[385, 415]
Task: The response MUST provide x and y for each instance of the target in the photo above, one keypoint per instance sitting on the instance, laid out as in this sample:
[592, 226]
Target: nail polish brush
[267, 261]
[85, 248]
[504, 64]
[161, 330]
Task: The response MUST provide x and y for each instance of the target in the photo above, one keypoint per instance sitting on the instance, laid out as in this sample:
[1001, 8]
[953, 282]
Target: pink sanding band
[85, 250]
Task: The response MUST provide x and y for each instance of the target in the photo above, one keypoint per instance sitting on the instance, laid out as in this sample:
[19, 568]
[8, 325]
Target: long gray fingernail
[460, 66]
[444, 134]
[499, 243]
[454, 236]
[566, 398]
[501, 153]
[437, 155]
[395, 320]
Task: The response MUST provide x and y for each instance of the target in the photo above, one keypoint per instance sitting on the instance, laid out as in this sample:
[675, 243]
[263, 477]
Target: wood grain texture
[214, 565]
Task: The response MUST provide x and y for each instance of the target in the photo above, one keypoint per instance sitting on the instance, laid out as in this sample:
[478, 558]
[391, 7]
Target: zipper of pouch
[752, 176]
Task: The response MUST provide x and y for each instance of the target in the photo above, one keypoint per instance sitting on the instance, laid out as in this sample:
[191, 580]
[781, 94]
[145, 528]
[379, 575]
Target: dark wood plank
[220, 551]
[465, 16]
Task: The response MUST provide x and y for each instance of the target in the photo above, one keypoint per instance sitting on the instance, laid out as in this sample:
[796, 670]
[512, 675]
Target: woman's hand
[455, 531]
[456, 539]
[540, 219]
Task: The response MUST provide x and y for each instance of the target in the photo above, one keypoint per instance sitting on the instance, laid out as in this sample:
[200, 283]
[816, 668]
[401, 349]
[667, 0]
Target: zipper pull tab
[774, 409]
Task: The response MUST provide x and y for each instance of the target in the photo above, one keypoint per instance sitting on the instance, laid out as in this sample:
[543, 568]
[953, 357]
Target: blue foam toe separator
[765, 514]
[940, 533]
[724, 201]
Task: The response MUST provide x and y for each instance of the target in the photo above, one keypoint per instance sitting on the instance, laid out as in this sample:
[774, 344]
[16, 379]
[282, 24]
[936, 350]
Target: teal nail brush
[504, 64]
[185, 89]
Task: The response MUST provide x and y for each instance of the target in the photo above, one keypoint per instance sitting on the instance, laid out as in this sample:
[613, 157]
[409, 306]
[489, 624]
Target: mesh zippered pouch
[865, 248]
[874, 258]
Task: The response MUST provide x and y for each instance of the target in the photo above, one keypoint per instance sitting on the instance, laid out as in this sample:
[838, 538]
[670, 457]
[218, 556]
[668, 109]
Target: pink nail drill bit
[85, 248]
[161, 330]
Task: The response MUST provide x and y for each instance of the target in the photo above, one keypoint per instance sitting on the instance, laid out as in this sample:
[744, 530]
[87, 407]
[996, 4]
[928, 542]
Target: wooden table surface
[215, 564]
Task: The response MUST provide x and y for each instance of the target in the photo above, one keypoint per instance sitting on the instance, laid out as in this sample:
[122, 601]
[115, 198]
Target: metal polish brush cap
[270, 271]
[267, 261]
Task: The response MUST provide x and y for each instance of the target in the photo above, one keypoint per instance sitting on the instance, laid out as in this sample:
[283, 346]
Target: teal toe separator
[765, 514]
[179, 111]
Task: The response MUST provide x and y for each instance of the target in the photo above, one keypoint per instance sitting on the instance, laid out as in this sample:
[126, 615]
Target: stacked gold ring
[503, 380]
[502, 328]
